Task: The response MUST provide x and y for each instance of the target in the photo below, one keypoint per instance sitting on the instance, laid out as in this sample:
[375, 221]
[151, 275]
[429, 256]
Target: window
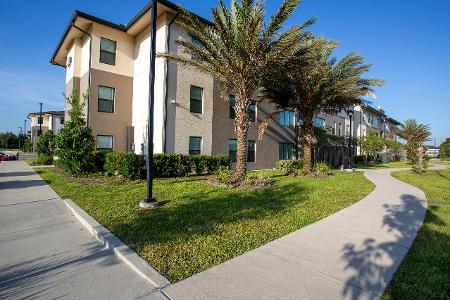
[196, 99]
[198, 44]
[232, 99]
[319, 122]
[105, 99]
[333, 129]
[285, 150]
[61, 121]
[195, 145]
[251, 151]
[252, 111]
[347, 129]
[104, 142]
[232, 149]
[107, 51]
[340, 129]
[40, 120]
[287, 118]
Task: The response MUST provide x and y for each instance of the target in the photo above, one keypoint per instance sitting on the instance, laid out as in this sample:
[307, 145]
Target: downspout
[166, 96]
[89, 73]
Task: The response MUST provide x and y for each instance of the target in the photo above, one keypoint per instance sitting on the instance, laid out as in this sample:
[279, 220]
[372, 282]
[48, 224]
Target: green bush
[177, 165]
[99, 160]
[223, 175]
[74, 142]
[44, 160]
[289, 166]
[256, 179]
[322, 168]
[126, 164]
[46, 143]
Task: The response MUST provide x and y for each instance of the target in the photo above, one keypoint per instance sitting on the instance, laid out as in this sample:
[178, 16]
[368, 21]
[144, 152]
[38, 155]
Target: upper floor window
[334, 128]
[195, 145]
[104, 142]
[196, 99]
[105, 99]
[40, 120]
[285, 151]
[319, 122]
[340, 129]
[108, 51]
[251, 109]
[287, 118]
[61, 121]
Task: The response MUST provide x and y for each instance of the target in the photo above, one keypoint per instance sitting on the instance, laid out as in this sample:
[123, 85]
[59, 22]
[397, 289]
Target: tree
[236, 49]
[444, 149]
[9, 140]
[312, 81]
[74, 142]
[416, 135]
[372, 145]
[395, 148]
[46, 143]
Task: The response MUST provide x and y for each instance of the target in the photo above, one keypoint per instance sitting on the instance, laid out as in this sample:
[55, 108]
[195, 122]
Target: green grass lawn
[395, 164]
[201, 225]
[425, 272]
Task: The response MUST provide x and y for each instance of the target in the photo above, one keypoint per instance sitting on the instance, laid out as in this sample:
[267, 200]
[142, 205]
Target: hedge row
[131, 166]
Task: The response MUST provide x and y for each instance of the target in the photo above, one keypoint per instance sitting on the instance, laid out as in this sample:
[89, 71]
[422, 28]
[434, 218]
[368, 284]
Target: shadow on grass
[374, 263]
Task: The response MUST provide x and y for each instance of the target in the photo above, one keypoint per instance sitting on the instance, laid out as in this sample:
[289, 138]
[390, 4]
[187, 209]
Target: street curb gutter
[122, 251]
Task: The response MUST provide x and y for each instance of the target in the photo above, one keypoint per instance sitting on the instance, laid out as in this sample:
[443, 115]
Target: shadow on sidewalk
[19, 184]
[374, 263]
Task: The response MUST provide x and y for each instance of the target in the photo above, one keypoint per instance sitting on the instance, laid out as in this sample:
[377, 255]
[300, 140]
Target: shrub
[360, 159]
[223, 175]
[290, 166]
[176, 165]
[46, 143]
[322, 168]
[44, 160]
[99, 160]
[126, 164]
[257, 180]
[74, 142]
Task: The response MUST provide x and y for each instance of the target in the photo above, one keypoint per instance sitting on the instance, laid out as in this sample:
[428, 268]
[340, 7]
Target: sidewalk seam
[122, 251]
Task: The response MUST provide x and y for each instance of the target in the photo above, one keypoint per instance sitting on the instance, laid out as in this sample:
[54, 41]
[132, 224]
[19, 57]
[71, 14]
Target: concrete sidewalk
[352, 254]
[46, 253]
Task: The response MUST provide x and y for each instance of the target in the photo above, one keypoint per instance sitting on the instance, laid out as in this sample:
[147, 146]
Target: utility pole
[40, 120]
[20, 133]
[149, 200]
[24, 133]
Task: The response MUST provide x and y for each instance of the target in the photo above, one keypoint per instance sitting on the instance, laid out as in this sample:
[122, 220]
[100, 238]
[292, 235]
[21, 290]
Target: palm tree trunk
[242, 125]
[309, 140]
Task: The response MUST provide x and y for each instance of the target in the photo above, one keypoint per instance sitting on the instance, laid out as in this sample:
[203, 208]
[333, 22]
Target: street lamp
[350, 115]
[20, 133]
[149, 200]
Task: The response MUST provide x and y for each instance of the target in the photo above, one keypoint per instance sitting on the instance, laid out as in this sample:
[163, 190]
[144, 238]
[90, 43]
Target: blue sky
[408, 43]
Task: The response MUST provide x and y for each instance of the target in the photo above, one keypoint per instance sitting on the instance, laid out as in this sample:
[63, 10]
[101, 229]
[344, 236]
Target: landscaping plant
[126, 164]
[236, 49]
[46, 143]
[415, 134]
[74, 142]
[312, 81]
[372, 145]
[290, 167]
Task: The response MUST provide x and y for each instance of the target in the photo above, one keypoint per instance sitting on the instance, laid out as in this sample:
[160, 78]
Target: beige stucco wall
[115, 123]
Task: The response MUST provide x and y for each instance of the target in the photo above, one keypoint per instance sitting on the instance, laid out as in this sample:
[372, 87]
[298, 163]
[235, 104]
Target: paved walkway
[46, 253]
[352, 254]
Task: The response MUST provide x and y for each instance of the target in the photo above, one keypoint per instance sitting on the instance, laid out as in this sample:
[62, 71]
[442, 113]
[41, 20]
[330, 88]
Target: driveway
[352, 254]
[46, 253]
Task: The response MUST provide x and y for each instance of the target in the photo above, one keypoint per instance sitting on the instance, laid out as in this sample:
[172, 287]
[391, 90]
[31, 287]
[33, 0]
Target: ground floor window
[104, 142]
[195, 145]
[285, 151]
[232, 150]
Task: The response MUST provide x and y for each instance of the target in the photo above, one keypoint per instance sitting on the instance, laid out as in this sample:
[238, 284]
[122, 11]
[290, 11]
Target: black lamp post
[149, 200]
[40, 120]
[350, 115]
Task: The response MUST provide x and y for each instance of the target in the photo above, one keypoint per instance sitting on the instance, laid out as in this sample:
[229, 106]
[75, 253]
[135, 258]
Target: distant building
[50, 120]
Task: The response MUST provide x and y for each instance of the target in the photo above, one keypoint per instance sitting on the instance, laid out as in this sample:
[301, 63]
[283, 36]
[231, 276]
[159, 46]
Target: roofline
[393, 121]
[120, 27]
[52, 112]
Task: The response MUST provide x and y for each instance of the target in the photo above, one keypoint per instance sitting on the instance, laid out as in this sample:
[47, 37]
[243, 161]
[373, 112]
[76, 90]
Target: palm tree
[235, 49]
[313, 81]
[416, 135]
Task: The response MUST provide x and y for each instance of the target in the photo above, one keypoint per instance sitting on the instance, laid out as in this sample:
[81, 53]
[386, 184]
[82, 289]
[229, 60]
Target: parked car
[3, 156]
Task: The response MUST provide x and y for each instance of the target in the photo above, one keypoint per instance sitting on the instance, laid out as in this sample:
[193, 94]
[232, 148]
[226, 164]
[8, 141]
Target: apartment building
[48, 120]
[111, 62]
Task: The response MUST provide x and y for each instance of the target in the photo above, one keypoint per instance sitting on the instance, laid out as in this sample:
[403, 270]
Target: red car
[3, 156]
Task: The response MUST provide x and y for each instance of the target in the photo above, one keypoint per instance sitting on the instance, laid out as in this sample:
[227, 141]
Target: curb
[122, 251]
